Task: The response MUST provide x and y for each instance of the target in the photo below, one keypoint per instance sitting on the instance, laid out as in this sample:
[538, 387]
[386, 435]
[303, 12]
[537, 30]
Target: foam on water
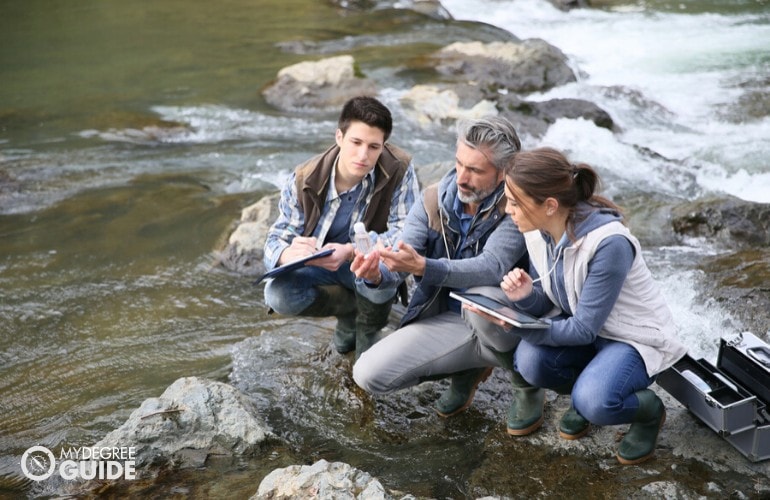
[213, 124]
[691, 67]
[699, 323]
[622, 166]
[261, 148]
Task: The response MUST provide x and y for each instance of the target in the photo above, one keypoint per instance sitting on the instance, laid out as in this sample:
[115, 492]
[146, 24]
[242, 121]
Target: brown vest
[312, 182]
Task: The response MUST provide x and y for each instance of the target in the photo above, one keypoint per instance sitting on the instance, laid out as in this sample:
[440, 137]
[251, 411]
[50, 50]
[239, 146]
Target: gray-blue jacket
[492, 247]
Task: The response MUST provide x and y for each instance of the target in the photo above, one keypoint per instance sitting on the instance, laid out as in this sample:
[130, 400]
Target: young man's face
[360, 148]
[477, 178]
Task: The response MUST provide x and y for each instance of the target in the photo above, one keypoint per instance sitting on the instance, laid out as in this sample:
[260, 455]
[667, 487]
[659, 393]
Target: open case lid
[746, 359]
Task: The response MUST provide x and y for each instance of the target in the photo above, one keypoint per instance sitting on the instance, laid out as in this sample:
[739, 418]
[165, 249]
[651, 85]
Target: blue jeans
[291, 293]
[606, 374]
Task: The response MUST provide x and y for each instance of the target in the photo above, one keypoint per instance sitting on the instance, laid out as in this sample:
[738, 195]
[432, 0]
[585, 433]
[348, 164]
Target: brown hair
[367, 110]
[546, 173]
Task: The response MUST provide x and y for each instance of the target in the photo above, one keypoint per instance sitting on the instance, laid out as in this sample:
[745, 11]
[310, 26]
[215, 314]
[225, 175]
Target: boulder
[528, 66]
[729, 221]
[324, 85]
[441, 104]
[431, 104]
[191, 420]
[534, 117]
[322, 480]
[245, 246]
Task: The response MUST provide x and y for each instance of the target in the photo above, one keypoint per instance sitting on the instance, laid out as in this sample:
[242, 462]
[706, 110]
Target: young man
[360, 178]
[458, 237]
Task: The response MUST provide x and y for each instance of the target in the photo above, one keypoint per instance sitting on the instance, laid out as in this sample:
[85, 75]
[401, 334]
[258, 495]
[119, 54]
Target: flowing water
[701, 68]
[132, 133]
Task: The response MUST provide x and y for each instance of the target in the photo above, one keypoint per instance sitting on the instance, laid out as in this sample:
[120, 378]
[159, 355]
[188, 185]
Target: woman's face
[527, 218]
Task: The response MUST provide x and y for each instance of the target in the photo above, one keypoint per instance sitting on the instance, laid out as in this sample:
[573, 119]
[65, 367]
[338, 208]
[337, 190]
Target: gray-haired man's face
[477, 177]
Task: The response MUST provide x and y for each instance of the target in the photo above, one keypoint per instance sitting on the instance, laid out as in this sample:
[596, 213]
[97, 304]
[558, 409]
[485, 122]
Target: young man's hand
[343, 252]
[300, 247]
[367, 266]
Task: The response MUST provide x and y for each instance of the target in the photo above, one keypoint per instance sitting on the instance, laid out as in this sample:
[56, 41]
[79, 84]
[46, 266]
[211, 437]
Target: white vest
[640, 316]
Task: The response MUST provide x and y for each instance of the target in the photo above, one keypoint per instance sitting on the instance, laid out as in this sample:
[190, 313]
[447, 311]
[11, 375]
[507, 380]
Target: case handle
[761, 354]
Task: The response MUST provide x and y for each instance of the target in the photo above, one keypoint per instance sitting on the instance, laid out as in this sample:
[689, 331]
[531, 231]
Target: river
[133, 133]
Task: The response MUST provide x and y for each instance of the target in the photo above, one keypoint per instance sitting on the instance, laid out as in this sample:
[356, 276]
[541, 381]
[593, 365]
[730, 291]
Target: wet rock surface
[729, 221]
[320, 480]
[324, 84]
[243, 251]
[191, 420]
[526, 66]
[536, 117]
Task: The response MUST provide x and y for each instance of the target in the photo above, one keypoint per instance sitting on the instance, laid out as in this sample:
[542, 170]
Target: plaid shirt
[291, 218]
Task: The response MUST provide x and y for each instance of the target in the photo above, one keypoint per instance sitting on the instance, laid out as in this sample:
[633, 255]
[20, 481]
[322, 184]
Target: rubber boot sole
[573, 437]
[648, 456]
[529, 430]
[484, 375]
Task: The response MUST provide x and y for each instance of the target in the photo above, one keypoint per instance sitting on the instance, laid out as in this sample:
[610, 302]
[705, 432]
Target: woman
[611, 330]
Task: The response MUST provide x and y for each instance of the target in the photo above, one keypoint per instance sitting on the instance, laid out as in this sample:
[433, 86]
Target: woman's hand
[516, 285]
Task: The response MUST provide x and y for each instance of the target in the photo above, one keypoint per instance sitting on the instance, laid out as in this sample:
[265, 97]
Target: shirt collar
[459, 209]
[332, 192]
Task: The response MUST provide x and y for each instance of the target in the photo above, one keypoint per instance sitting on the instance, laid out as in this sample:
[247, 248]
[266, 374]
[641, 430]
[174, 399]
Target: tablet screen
[500, 310]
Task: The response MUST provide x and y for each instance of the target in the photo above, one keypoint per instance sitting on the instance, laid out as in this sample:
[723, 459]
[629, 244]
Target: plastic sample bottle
[361, 238]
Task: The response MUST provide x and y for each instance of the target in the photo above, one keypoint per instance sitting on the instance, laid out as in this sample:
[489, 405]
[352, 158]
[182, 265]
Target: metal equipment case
[733, 397]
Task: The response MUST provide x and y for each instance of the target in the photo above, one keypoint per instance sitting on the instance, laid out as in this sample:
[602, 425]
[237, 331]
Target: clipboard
[291, 266]
[501, 311]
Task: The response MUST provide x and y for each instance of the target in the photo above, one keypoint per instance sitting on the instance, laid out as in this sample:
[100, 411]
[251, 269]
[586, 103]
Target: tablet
[291, 266]
[500, 310]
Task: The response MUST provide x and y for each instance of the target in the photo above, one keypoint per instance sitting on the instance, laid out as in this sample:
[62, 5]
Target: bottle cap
[359, 228]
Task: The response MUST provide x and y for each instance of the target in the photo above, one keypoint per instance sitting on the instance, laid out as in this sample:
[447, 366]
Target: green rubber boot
[572, 425]
[462, 388]
[370, 320]
[638, 444]
[525, 415]
[335, 300]
[344, 338]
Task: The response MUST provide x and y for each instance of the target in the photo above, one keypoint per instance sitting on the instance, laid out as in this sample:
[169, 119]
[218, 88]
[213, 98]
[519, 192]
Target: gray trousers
[432, 347]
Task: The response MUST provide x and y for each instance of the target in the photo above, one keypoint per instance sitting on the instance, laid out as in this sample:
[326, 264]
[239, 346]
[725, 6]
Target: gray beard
[476, 197]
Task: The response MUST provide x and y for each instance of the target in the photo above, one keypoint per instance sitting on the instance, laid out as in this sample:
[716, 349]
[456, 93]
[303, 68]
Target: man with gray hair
[458, 237]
